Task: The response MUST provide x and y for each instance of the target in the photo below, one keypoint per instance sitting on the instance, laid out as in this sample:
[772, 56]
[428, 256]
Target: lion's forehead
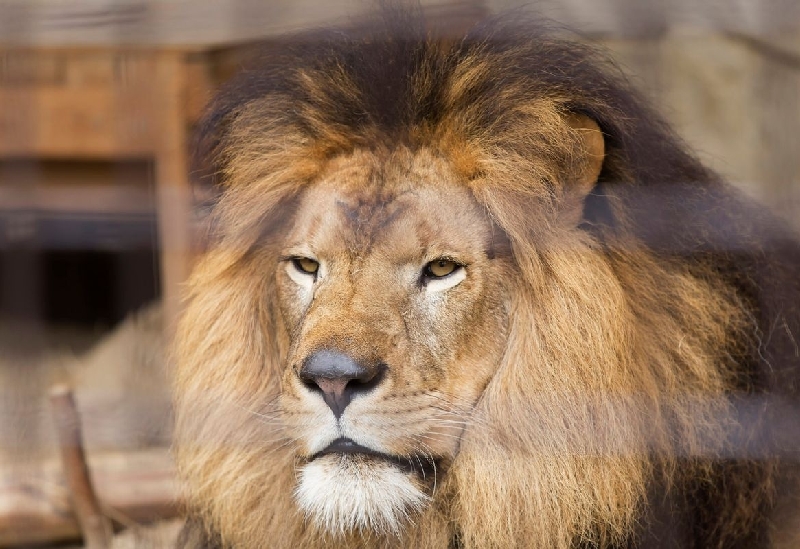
[410, 207]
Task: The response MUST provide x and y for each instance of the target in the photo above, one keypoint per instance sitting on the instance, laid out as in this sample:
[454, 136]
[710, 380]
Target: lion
[472, 292]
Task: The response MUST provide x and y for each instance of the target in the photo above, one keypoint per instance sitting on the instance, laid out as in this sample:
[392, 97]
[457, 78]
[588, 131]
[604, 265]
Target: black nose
[338, 377]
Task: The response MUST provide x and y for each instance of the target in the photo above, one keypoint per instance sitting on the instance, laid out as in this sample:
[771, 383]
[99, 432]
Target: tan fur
[551, 386]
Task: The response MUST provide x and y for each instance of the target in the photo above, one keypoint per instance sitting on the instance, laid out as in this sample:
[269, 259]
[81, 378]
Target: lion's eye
[441, 268]
[305, 265]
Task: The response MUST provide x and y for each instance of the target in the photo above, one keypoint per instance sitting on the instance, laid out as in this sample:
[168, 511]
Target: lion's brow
[379, 211]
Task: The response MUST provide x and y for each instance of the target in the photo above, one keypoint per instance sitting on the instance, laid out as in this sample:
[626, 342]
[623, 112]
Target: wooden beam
[34, 500]
[95, 527]
[173, 194]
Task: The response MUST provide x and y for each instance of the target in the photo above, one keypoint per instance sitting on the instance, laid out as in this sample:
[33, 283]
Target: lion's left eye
[305, 265]
[441, 268]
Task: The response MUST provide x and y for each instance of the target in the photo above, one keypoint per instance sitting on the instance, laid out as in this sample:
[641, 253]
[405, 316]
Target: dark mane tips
[376, 82]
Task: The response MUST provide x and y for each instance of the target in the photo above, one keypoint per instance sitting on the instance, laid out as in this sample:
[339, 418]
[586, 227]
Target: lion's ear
[591, 147]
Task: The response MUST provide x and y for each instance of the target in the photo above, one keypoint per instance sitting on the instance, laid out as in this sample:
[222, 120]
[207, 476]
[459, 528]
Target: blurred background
[98, 99]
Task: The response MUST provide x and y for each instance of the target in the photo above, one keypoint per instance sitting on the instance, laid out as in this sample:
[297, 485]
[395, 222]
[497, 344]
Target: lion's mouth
[420, 465]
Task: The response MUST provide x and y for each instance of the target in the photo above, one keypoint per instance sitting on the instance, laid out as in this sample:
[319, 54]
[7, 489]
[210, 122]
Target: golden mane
[667, 303]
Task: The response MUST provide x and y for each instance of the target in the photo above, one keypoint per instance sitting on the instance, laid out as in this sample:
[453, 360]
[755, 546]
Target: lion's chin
[341, 493]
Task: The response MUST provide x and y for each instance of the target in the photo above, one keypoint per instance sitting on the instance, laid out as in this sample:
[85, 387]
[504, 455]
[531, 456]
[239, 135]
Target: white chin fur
[343, 493]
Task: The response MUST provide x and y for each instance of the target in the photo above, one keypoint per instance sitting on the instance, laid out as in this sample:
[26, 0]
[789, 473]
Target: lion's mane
[636, 403]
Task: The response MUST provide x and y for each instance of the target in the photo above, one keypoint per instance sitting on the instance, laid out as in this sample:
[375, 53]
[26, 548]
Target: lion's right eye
[305, 265]
[440, 268]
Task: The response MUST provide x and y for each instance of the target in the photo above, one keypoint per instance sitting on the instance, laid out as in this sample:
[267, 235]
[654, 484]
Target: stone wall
[734, 98]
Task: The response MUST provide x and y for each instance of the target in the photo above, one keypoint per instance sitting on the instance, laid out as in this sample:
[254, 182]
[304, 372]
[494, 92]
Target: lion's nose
[338, 377]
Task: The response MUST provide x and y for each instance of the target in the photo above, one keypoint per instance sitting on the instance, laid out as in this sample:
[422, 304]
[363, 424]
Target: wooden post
[96, 528]
[173, 195]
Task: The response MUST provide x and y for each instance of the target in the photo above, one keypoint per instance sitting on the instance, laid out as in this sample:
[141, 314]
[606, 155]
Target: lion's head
[397, 316]
[424, 316]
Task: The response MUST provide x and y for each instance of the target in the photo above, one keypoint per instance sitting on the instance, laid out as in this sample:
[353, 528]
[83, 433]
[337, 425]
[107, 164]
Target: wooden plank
[34, 500]
[74, 123]
[96, 529]
[87, 198]
[200, 86]
[67, 103]
[173, 195]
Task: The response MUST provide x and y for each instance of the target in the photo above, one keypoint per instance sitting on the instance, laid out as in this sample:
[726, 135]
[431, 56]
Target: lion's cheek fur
[575, 411]
[534, 422]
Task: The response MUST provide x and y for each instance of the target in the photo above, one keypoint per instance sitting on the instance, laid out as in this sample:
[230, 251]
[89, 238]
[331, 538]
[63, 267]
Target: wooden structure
[132, 487]
[72, 114]
[107, 104]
